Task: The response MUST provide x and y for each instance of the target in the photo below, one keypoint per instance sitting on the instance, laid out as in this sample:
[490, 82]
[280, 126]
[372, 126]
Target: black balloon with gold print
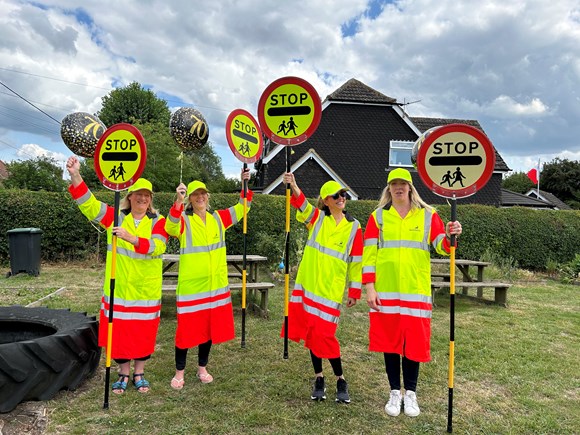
[81, 131]
[189, 129]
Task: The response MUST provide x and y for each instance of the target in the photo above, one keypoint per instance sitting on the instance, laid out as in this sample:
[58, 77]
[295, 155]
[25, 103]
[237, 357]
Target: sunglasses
[342, 194]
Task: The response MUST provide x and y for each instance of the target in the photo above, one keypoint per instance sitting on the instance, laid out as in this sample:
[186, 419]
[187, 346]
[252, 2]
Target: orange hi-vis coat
[138, 277]
[204, 304]
[332, 260]
[397, 260]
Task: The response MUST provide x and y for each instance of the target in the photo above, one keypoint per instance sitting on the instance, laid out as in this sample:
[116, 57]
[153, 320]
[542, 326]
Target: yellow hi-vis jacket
[331, 262]
[397, 259]
[138, 276]
[204, 310]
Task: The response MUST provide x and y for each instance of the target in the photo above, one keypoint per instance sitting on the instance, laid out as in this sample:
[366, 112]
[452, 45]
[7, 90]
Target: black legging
[336, 364]
[202, 355]
[393, 369]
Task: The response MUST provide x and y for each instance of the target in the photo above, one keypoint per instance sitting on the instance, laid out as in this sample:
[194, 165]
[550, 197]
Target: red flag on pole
[533, 175]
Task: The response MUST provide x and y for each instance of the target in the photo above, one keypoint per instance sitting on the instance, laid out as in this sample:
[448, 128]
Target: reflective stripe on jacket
[138, 275]
[204, 306]
[331, 261]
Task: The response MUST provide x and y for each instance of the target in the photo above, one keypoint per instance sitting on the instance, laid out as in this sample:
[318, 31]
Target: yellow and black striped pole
[287, 258]
[451, 319]
[111, 302]
[244, 272]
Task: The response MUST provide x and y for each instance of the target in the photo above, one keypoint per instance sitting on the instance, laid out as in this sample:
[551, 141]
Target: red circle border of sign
[315, 120]
[238, 155]
[117, 187]
[461, 128]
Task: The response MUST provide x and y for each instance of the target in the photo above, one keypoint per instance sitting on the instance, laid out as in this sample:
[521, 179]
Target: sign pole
[287, 257]
[453, 161]
[111, 302]
[289, 112]
[244, 276]
[246, 142]
[451, 319]
[119, 161]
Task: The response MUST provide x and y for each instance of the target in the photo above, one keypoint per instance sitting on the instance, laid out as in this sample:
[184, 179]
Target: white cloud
[505, 106]
[514, 66]
[31, 150]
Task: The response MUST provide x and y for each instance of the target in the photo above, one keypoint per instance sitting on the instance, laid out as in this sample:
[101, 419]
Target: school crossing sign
[244, 136]
[455, 160]
[289, 111]
[120, 156]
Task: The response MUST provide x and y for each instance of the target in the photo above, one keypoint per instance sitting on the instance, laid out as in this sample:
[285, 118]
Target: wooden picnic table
[237, 262]
[252, 262]
[469, 281]
[463, 266]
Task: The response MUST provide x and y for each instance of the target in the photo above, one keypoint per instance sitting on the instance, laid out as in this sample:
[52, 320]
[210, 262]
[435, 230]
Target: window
[400, 153]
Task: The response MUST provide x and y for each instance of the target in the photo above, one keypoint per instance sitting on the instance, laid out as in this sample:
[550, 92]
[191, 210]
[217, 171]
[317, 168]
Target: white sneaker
[393, 406]
[410, 404]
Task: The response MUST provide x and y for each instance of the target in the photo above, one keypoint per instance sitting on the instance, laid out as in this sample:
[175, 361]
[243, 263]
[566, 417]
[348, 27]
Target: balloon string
[181, 168]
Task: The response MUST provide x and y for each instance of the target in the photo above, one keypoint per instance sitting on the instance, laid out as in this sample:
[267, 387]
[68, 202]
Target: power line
[37, 108]
[55, 79]
[37, 102]
[17, 149]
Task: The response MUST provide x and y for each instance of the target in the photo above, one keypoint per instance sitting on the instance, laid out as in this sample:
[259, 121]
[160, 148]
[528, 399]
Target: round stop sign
[454, 160]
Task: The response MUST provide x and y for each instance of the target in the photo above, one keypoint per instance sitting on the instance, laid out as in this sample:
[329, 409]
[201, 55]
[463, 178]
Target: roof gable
[355, 91]
[311, 157]
[549, 198]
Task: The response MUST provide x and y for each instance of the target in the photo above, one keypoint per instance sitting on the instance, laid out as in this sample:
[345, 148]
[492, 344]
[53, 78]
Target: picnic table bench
[469, 281]
[236, 262]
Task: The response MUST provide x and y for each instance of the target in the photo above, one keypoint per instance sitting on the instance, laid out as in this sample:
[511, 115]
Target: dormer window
[400, 153]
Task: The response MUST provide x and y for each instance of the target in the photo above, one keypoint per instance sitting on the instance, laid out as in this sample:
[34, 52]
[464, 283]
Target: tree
[41, 173]
[518, 182]
[131, 104]
[561, 177]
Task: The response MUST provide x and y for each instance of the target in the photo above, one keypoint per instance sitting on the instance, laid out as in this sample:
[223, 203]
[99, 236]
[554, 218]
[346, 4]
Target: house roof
[309, 162]
[512, 199]
[355, 91]
[353, 139]
[424, 124]
[549, 197]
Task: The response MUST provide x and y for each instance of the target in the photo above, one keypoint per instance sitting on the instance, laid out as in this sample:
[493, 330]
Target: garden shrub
[523, 236]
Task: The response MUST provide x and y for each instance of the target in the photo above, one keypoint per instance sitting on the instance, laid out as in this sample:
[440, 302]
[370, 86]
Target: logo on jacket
[415, 229]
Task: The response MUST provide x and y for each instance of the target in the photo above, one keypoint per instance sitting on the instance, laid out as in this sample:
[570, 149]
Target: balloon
[188, 128]
[81, 131]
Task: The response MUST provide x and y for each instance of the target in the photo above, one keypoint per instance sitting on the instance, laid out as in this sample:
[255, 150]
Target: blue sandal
[141, 383]
[121, 384]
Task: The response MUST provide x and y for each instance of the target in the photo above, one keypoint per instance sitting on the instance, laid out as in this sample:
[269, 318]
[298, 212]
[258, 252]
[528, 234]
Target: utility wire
[36, 107]
[55, 79]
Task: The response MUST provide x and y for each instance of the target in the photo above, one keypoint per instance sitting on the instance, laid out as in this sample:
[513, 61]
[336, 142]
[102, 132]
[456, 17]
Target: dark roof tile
[355, 91]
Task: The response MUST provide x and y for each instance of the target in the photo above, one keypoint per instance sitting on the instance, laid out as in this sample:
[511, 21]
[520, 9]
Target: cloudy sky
[512, 65]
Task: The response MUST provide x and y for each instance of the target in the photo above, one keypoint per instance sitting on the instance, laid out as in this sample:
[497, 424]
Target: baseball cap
[141, 184]
[194, 185]
[400, 174]
[330, 188]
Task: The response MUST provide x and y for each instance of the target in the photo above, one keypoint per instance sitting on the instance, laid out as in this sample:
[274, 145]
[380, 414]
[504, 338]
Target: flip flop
[177, 384]
[205, 378]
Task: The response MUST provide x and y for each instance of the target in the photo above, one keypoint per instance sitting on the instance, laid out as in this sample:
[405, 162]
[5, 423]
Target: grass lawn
[516, 370]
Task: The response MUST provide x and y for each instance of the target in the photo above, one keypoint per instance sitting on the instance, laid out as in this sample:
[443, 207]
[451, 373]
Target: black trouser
[336, 364]
[123, 361]
[202, 355]
[410, 372]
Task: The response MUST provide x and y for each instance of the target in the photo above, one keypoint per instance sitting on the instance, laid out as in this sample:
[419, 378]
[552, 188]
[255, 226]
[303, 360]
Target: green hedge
[531, 237]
